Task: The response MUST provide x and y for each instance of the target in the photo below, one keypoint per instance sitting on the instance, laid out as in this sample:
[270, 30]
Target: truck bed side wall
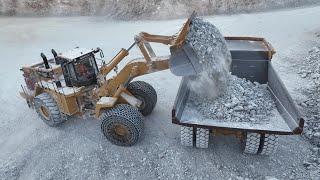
[182, 97]
[250, 65]
[285, 104]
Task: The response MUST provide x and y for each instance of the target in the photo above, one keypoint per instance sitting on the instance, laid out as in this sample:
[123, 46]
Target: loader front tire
[48, 110]
[122, 125]
[145, 93]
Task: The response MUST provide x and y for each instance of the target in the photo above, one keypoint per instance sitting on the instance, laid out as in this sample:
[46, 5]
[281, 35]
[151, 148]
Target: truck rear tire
[270, 144]
[251, 143]
[122, 125]
[186, 136]
[145, 93]
[264, 144]
[202, 138]
[48, 110]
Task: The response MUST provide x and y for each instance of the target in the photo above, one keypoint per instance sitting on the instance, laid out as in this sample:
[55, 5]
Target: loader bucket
[184, 61]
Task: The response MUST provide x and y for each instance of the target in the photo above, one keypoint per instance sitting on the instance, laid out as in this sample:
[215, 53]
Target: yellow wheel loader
[71, 83]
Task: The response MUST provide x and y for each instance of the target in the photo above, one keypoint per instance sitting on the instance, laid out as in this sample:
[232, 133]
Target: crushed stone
[310, 69]
[242, 101]
[313, 162]
[215, 92]
[214, 58]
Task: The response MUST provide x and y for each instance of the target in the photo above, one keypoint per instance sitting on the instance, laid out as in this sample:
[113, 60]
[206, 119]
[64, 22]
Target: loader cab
[79, 67]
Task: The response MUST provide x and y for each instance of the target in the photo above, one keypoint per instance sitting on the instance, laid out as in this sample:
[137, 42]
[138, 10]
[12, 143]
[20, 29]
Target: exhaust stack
[55, 56]
[45, 61]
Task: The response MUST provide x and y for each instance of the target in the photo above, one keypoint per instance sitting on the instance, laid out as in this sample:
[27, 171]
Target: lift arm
[142, 40]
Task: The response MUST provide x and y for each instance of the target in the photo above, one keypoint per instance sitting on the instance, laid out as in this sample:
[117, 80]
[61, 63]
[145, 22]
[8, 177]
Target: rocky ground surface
[242, 101]
[140, 9]
[309, 68]
[78, 150]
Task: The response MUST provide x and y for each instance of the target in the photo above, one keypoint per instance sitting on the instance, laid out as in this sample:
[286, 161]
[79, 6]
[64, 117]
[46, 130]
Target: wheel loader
[72, 84]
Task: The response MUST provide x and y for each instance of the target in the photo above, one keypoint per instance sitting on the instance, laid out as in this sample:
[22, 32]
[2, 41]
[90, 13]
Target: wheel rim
[143, 104]
[120, 132]
[44, 112]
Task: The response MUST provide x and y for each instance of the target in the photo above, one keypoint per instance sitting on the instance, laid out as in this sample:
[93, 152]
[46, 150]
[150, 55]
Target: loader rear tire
[251, 143]
[122, 125]
[186, 136]
[202, 138]
[48, 110]
[146, 93]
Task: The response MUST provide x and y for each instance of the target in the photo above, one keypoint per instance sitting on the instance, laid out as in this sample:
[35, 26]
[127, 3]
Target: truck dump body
[251, 60]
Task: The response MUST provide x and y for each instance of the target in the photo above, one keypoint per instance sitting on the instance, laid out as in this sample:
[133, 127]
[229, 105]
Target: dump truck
[251, 59]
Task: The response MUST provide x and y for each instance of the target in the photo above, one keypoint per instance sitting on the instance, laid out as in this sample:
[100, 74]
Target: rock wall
[139, 9]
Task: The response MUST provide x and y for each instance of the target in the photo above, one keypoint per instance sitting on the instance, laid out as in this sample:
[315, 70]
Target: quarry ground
[78, 150]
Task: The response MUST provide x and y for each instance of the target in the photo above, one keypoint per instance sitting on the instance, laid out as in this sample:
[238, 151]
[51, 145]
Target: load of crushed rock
[310, 69]
[214, 58]
[242, 101]
[215, 93]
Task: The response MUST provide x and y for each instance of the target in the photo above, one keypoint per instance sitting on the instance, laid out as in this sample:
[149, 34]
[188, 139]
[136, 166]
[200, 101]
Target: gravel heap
[243, 101]
[313, 162]
[312, 109]
[310, 69]
[214, 57]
